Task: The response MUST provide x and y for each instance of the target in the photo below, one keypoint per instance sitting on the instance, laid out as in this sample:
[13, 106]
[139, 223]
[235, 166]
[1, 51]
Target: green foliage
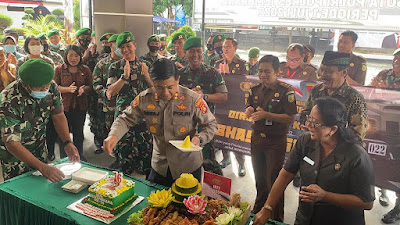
[185, 29]
[41, 25]
[58, 12]
[27, 17]
[51, 17]
[159, 6]
[5, 21]
[29, 11]
[19, 30]
[77, 15]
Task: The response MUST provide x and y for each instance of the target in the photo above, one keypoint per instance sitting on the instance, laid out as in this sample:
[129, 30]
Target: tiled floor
[243, 185]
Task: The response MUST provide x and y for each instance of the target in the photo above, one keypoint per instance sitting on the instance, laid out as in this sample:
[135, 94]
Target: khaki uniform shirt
[237, 66]
[357, 112]
[357, 68]
[303, 72]
[170, 120]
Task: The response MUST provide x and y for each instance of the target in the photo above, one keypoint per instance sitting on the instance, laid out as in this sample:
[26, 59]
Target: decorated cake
[186, 185]
[111, 195]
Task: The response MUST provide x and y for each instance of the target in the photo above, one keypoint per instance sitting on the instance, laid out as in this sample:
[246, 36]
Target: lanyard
[288, 74]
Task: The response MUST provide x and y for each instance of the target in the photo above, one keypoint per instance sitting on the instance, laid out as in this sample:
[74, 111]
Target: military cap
[254, 53]
[36, 72]
[332, 58]
[163, 37]
[106, 36]
[153, 38]
[54, 31]
[177, 36]
[93, 34]
[310, 48]
[124, 37]
[193, 42]
[113, 38]
[42, 36]
[218, 38]
[83, 31]
[396, 52]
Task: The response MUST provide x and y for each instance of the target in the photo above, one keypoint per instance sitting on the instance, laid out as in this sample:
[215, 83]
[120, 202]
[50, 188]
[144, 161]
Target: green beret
[218, 38]
[254, 53]
[153, 38]
[106, 36]
[93, 34]
[163, 37]
[83, 31]
[54, 31]
[396, 52]
[113, 38]
[336, 59]
[42, 36]
[124, 37]
[193, 42]
[177, 36]
[169, 45]
[36, 72]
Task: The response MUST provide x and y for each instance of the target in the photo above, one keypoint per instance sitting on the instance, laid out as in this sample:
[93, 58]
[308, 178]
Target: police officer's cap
[193, 42]
[254, 53]
[83, 31]
[105, 36]
[332, 58]
[125, 37]
[36, 72]
[177, 36]
[218, 38]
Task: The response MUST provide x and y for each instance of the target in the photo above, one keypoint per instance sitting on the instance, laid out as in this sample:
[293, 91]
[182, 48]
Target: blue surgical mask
[39, 94]
[118, 52]
[55, 46]
[10, 48]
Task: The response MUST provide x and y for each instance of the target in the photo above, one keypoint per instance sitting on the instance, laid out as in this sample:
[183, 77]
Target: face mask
[55, 46]
[172, 51]
[219, 50]
[45, 47]
[84, 42]
[107, 49]
[39, 94]
[162, 48]
[210, 47]
[153, 49]
[118, 52]
[35, 49]
[10, 48]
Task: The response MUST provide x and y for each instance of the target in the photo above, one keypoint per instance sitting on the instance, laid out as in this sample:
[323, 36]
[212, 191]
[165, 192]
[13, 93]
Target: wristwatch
[123, 78]
[67, 142]
[268, 207]
[201, 139]
[205, 97]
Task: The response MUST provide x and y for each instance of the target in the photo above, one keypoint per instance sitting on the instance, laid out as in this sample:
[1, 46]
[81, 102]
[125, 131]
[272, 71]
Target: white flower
[224, 219]
[235, 211]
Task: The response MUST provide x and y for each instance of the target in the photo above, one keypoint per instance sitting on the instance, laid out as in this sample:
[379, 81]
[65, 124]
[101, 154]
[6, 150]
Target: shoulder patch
[200, 104]
[135, 102]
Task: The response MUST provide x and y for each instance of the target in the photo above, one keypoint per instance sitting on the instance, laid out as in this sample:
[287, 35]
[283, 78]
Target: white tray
[178, 143]
[89, 175]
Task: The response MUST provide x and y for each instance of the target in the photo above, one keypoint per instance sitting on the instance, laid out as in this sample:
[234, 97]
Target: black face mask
[219, 50]
[210, 47]
[153, 49]
[84, 42]
[45, 47]
[162, 48]
[172, 51]
[305, 58]
[107, 49]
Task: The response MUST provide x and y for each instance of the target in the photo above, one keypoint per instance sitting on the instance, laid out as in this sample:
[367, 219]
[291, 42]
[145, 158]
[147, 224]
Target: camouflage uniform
[184, 61]
[207, 58]
[357, 112]
[57, 58]
[387, 76]
[26, 58]
[210, 81]
[214, 60]
[23, 119]
[253, 70]
[60, 50]
[135, 148]
[358, 68]
[147, 57]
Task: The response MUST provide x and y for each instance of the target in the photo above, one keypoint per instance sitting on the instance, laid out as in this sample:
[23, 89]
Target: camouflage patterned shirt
[207, 58]
[184, 61]
[136, 84]
[57, 58]
[23, 119]
[27, 57]
[60, 50]
[147, 57]
[208, 78]
[100, 76]
[357, 112]
[253, 70]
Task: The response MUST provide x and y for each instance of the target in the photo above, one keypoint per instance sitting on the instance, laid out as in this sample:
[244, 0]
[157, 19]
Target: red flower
[195, 204]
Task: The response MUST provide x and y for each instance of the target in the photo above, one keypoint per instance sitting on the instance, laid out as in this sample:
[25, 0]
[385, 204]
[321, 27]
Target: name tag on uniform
[308, 160]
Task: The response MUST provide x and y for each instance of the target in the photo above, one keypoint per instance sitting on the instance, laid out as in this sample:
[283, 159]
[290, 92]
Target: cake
[111, 194]
[186, 185]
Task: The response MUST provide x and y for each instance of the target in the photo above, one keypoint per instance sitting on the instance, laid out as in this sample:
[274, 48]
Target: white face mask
[35, 49]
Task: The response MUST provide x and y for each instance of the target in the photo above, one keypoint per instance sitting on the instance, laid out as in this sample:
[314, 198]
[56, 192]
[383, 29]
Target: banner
[382, 141]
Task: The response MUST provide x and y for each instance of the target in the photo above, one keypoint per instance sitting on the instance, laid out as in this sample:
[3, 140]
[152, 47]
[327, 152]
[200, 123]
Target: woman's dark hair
[271, 59]
[77, 50]
[163, 69]
[27, 40]
[333, 113]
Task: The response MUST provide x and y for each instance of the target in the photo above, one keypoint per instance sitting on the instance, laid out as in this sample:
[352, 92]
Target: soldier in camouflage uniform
[217, 42]
[210, 52]
[25, 108]
[163, 46]
[127, 78]
[209, 83]
[100, 75]
[333, 73]
[106, 46]
[55, 42]
[57, 58]
[254, 54]
[153, 43]
[179, 59]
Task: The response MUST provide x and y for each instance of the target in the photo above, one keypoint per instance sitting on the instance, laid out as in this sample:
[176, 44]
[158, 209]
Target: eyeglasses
[292, 60]
[311, 123]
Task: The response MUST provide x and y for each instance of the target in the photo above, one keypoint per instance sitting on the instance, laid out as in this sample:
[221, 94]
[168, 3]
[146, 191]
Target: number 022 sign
[377, 149]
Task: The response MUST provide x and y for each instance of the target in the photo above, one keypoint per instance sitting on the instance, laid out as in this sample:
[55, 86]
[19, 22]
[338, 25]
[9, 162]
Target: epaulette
[242, 60]
[286, 85]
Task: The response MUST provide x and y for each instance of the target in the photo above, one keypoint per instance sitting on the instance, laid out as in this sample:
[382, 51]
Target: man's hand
[72, 153]
[85, 56]
[262, 217]
[52, 173]
[145, 68]
[72, 88]
[179, 65]
[108, 94]
[127, 70]
[5, 65]
[259, 115]
[81, 90]
[109, 143]
[249, 111]
[312, 193]
[196, 141]
[12, 59]
[93, 49]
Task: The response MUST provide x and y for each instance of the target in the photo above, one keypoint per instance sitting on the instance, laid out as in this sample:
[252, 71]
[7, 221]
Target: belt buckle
[263, 135]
